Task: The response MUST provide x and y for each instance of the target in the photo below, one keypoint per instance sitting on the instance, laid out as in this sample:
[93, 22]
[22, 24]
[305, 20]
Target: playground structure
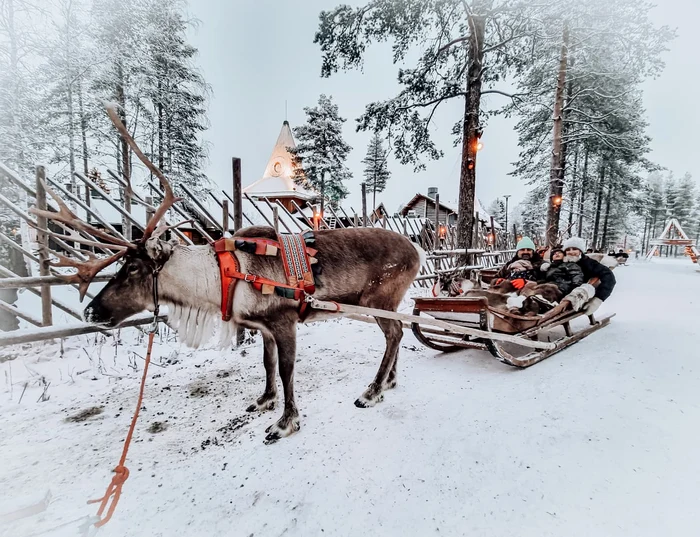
[673, 235]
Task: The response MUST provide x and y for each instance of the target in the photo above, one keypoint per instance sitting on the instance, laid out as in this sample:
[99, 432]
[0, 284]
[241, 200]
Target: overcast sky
[257, 54]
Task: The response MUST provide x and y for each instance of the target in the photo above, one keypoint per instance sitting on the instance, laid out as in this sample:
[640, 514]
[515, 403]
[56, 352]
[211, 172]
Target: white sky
[257, 54]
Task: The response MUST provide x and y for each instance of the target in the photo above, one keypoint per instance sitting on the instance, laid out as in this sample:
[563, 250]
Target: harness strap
[297, 258]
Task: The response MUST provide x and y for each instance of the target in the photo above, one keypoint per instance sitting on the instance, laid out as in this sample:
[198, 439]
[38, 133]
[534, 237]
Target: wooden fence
[437, 238]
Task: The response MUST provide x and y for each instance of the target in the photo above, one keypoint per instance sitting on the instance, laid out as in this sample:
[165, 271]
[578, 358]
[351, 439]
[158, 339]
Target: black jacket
[566, 276]
[535, 260]
[592, 269]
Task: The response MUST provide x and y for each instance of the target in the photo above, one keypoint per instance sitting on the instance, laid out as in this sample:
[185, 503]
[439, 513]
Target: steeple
[277, 180]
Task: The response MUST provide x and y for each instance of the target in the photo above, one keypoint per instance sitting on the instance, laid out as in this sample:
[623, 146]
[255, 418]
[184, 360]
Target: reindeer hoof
[263, 404]
[284, 427]
[367, 400]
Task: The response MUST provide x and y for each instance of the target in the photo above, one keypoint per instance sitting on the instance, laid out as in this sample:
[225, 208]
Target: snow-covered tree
[376, 170]
[178, 97]
[580, 85]
[321, 152]
[497, 209]
[464, 48]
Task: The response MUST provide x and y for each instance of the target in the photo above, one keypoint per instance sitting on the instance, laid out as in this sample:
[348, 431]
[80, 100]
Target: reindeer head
[131, 290]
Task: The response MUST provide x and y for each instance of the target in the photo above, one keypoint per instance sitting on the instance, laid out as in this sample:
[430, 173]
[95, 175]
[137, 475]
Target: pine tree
[497, 209]
[320, 154]
[376, 169]
[464, 49]
[178, 96]
[590, 85]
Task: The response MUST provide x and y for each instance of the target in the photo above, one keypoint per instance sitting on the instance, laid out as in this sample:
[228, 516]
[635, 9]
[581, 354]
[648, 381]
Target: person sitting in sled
[522, 268]
[563, 272]
[587, 295]
[621, 256]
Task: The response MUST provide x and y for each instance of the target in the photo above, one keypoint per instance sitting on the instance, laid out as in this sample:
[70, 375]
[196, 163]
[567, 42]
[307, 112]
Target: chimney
[432, 192]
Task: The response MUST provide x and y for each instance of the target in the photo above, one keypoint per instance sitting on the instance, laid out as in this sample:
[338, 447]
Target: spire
[277, 177]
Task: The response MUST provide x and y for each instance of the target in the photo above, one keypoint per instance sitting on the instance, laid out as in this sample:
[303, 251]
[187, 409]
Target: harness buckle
[250, 278]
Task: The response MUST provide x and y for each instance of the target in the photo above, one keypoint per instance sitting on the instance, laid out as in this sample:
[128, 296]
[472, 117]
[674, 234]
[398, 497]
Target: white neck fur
[190, 285]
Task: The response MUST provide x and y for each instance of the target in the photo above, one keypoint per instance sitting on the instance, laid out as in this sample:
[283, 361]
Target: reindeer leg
[373, 394]
[268, 399]
[391, 379]
[286, 339]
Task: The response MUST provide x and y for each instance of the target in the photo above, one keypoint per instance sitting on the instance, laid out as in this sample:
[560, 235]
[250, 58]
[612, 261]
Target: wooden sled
[492, 324]
[450, 324]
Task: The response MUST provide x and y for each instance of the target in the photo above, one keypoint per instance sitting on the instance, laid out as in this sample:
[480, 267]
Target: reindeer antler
[169, 199]
[68, 217]
[87, 270]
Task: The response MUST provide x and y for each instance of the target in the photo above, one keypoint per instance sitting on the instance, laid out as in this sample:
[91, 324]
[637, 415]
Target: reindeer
[358, 266]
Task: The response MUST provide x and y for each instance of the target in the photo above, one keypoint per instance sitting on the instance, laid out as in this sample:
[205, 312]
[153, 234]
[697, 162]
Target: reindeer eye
[133, 269]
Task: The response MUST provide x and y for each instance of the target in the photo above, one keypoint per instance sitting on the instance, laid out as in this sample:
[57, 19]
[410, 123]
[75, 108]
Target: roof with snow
[478, 208]
[277, 181]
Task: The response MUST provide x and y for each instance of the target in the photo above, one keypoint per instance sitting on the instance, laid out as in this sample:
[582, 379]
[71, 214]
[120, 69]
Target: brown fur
[357, 266]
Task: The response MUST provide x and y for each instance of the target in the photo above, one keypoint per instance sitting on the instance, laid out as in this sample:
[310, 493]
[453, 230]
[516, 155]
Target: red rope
[121, 472]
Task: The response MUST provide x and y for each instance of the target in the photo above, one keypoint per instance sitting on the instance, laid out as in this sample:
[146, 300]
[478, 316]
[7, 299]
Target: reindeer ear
[158, 250]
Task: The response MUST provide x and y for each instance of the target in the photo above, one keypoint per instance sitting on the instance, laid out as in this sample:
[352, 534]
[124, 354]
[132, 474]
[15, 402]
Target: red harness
[297, 259]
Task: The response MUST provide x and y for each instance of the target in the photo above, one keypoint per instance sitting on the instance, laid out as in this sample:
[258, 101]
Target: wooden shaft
[14, 310]
[224, 216]
[237, 219]
[237, 194]
[436, 239]
[384, 314]
[364, 204]
[75, 329]
[43, 240]
[5, 273]
[33, 281]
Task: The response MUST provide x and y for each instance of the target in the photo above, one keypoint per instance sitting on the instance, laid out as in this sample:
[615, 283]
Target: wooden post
[405, 231]
[493, 235]
[515, 235]
[237, 195]
[384, 221]
[224, 217]
[43, 240]
[237, 220]
[276, 218]
[436, 241]
[149, 210]
[357, 220]
[364, 204]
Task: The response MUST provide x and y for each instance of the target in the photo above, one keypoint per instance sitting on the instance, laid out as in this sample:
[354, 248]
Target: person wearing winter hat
[525, 251]
[574, 248]
[566, 275]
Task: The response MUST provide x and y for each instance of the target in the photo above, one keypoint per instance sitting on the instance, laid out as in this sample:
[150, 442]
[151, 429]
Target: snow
[597, 440]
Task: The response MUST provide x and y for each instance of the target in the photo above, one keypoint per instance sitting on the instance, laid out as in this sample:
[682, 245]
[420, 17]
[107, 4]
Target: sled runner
[493, 323]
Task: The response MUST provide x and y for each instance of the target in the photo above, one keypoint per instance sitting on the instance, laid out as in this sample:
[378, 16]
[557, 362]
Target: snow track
[598, 440]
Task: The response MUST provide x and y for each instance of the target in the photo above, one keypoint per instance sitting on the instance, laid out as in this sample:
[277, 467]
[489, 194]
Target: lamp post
[506, 233]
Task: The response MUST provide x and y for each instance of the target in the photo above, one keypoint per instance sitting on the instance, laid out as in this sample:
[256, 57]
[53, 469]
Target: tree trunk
[556, 173]
[604, 240]
[71, 116]
[470, 127]
[83, 130]
[582, 195]
[159, 107]
[572, 195]
[124, 146]
[599, 203]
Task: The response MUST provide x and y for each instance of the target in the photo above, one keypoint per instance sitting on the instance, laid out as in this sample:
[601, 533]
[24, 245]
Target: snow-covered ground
[600, 439]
